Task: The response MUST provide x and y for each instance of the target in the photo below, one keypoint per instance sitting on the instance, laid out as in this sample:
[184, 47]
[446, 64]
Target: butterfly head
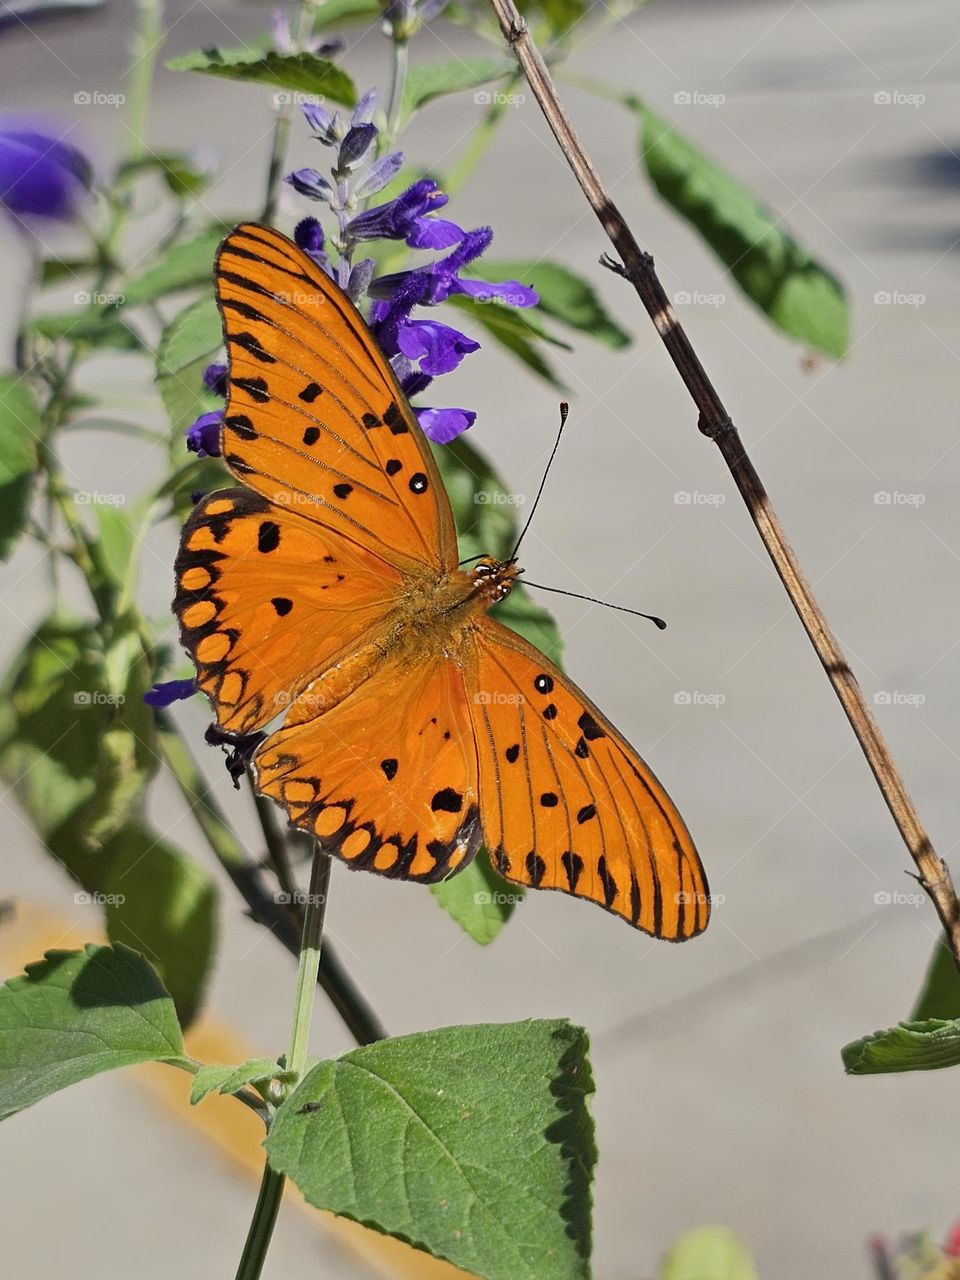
[494, 579]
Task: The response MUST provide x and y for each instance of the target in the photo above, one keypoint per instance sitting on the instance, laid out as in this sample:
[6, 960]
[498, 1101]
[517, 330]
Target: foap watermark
[898, 698]
[698, 298]
[97, 98]
[694, 498]
[98, 299]
[694, 698]
[298, 898]
[496, 98]
[898, 898]
[898, 98]
[497, 698]
[88, 498]
[288, 98]
[697, 98]
[895, 498]
[97, 698]
[684, 899]
[498, 498]
[299, 299]
[84, 899]
[898, 298]
[497, 899]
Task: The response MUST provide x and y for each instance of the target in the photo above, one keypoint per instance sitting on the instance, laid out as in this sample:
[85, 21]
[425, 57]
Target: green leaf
[337, 13]
[76, 1014]
[798, 294]
[909, 1046]
[164, 904]
[185, 350]
[940, 997]
[198, 475]
[296, 72]
[19, 431]
[521, 613]
[184, 266]
[517, 331]
[231, 1079]
[430, 80]
[182, 177]
[55, 270]
[478, 899]
[563, 295]
[117, 539]
[472, 1143]
[708, 1253]
[86, 326]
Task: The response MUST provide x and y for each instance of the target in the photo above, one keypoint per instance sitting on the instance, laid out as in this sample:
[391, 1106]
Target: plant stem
[271, 1186]
[716, 424]
[350, 1003]
[281, 127]
[398, 86]
[145, 45]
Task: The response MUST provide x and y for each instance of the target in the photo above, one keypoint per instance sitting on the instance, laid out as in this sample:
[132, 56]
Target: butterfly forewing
[566, 803]
[315, 419]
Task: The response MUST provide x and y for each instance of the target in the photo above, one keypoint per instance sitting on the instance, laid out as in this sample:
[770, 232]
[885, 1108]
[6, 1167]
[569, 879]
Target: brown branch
[714, 421]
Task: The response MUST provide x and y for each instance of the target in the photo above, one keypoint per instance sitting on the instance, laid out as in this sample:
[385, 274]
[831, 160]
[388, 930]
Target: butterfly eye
[484, 569]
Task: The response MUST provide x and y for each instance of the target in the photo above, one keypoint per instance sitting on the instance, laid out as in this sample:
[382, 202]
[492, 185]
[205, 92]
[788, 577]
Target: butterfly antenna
[621, 608]
[564, 410]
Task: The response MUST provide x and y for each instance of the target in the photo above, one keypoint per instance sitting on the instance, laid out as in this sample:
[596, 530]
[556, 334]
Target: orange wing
[315, 419]
[267, 600]
[566, 803]
[387, 777]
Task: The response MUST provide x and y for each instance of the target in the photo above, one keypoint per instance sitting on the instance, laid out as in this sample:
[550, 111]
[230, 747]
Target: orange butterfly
[417, 726]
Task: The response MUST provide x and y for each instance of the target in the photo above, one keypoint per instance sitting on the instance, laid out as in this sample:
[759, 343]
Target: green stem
[271, 1186]
[398, 86]
[281, 128]
[145, 45]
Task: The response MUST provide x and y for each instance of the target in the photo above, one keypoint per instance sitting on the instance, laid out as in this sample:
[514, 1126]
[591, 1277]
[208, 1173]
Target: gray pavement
[720, 1091]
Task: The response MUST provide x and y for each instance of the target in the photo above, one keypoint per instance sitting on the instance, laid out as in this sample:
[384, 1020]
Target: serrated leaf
[186, 348]
[478, 899]
[298, 72]
[516, 331]
[76, 1014]
[430, 80]
[231, 1079]
[799, 295]
[407, 1137]
[909, 1046]
[181, 267]
[563, 295]
[19, 433]
[708, 1253]
[940, 997]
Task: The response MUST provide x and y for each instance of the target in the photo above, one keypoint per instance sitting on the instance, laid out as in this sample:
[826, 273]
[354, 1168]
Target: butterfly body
[416, 726]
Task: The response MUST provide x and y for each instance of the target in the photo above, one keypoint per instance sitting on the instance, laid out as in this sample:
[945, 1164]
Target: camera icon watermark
[88, 498]
[898, 298]
[685, 899]
[97, 98]
[298, 898]
[97, 698]
[898, 98]
[497, 698]
[98, 299]
[898, 698]
[289, 98]
[498, 498]
[84, 899]
[898, 898]
[495, 98]
[693, 498]
[696, 98]
[895, 498]
[694, 698]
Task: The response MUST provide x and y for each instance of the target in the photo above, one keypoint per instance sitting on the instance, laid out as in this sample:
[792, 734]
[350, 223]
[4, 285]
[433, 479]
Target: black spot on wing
[310, 392]
[447, 801]
[268, 536]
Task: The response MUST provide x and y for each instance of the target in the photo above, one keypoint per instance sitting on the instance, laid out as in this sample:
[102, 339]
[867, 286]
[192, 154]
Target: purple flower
[444, 425]
[308, 234]
[439, 348]
[407, 218]
[442, 278]
[203, 437]
[283, 41]
[311, 183]
[357, 141]
[215, 379]
[40, 175]
[167, 691]
[328, 128]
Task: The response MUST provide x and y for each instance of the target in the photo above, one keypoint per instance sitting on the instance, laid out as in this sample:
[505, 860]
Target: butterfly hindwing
[315, 419]
[253, 580]
[567, 804]
[386, 778]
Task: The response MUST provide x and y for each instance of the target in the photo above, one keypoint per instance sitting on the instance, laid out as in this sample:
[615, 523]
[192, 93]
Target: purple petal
[380, 175]
[355, 145]
[438, 347]
[167, 691]
[203, 437]
[280, 29]
[413, 382]
[215, 379]
[434, 233]
[328, 128]
[444, 425]
[308, 234]
[40, 176]
[310, 183]
[363, 112]
[511, 292]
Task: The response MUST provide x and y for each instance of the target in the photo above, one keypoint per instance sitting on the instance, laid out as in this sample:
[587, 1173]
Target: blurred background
[720, 1092]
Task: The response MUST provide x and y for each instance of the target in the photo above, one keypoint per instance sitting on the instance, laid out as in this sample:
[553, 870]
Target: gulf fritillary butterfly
[416, 726]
